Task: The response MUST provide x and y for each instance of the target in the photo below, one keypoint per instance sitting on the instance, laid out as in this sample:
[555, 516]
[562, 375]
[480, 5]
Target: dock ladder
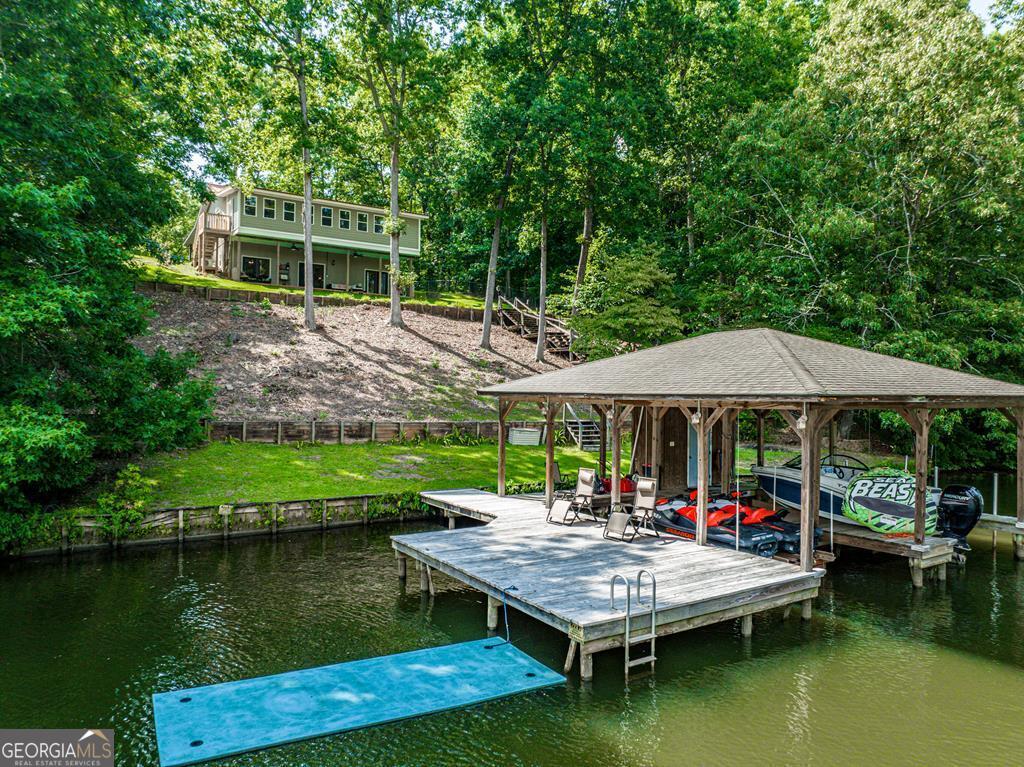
[629, 639]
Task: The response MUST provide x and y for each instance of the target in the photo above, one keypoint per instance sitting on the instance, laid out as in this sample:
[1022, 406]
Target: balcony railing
[218, 223]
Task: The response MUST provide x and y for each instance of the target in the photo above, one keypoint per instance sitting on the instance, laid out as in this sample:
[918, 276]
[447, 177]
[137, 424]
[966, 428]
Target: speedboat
[882, 503]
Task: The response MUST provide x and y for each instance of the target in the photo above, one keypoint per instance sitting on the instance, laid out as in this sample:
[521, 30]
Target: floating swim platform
[211, 722]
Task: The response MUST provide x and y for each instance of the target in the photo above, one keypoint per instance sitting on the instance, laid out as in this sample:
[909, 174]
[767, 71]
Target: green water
[882, 675]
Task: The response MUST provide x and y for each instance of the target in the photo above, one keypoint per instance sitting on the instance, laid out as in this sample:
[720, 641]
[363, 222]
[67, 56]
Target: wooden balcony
[216, 223]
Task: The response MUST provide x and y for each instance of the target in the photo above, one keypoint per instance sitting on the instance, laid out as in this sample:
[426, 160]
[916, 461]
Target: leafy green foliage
[625, 301]
[84, 174]
[124, 505]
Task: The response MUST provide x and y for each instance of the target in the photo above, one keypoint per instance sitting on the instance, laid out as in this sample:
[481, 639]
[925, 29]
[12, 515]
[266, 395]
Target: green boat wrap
[882, 499]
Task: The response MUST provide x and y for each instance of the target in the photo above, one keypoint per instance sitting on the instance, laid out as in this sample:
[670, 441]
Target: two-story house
[257, 237]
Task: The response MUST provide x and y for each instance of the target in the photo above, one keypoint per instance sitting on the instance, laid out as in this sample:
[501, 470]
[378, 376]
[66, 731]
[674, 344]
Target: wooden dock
[561, 575]
[935, 552]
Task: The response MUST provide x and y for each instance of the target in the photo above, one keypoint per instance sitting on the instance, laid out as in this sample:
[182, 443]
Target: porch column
[760, 437]
[503, 410]
[729, 421]
[277, 267]
[602, 451]
[920, 420]
[701, 535]
[348, 270]
[656, 413]
[616, 456]
[549, 453]
[808, 428]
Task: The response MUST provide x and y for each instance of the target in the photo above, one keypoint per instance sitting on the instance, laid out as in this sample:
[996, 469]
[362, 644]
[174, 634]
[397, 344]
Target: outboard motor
[960, 508]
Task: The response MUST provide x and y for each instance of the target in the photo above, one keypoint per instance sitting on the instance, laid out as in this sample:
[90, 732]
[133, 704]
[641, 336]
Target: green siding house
[257, 237]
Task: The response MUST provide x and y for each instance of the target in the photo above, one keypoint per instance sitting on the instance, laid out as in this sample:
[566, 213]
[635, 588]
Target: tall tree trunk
[492, 264]
[588, 236]
[396, 298]
[307, 200]
[689, 205]
[542, 311]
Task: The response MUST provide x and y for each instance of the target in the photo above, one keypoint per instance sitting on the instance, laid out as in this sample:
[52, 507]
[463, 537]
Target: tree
[271, 38]
[85, 172]
[391, 49]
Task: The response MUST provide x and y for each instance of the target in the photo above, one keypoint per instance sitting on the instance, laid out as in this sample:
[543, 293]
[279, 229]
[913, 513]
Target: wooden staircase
[582, 427]
[517, 316]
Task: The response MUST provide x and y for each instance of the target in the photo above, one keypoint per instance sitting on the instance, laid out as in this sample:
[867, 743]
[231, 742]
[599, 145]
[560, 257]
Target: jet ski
[677, 518]
[786, 533]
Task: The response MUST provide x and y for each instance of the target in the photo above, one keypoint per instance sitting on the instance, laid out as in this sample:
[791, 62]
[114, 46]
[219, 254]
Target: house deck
[561, 575]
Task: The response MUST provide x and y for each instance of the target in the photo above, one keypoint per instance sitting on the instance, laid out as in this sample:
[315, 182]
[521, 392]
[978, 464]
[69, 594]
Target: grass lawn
[183, 274]
[224, 472]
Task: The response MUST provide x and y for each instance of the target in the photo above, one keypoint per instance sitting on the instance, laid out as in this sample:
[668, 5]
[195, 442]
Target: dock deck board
[561, 574]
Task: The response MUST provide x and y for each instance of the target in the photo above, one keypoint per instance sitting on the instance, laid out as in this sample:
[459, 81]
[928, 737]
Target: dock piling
[747, 625]
[807, 609]
[403, 562]
[492, 613]
[570, 656]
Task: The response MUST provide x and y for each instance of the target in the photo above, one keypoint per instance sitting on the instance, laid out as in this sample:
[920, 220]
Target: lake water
[882, 675]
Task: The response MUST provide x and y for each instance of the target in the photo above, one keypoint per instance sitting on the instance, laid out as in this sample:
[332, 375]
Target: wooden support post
[323, 514]
[831, 437]
[549, 454]
[807, 609]
[729, 421]
[760, 437]
[586, 665]
[916, 573]
[570, 656]
[503, 410]
[808, 428]
[616, 501]
[181, 525]
[244, 429]
[1018, 413]
[273, 519]
[403, 565]
[656, 414]
[701, 534]
[602, 450]
[279, 430]
[920, 421]
[451, 521]
[492, 612]
[225, 519]
[940, 572]
[747, 625]
[424, 576]
[1018, 547]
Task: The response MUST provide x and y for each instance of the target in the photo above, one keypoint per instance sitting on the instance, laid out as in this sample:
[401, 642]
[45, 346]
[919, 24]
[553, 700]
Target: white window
[326, 216]
[250, 205]
[344, 219]
[378, 224]
[361, 222]
[269, 208]
[288, 211]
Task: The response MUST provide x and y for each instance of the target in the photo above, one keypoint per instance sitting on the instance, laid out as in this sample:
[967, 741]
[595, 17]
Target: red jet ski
[786, 533]
[681, 520]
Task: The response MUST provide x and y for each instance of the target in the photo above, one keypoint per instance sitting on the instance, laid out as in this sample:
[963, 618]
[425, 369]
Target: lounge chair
[626, 525]
[567, 510]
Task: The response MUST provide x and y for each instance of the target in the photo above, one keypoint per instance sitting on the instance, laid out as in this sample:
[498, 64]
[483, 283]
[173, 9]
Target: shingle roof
[759, 364]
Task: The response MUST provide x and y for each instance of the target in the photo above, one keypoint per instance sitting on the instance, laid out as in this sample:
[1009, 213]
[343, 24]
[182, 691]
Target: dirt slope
[355, 366]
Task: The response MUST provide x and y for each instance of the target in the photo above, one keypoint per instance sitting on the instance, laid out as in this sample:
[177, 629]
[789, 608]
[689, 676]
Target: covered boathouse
[707, 380]
[682, 392]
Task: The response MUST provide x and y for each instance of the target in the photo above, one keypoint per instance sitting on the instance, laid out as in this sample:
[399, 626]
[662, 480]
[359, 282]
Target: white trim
[330, 211]
[271, 234]
[377, 218]
[255, 205]
[263, 209]
[321, 200]
[284, 211]
[302, 267]
[363, 222]
[380, 278]
[348, 219]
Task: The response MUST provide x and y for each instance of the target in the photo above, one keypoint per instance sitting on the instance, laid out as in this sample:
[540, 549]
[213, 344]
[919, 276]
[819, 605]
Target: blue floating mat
[218, 720]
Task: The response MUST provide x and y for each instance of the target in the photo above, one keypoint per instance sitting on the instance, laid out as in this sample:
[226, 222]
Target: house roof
[760, 365]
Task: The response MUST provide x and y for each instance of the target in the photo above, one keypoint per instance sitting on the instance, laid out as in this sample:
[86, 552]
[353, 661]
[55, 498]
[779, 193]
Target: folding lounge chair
[565, 511]
[625, 525]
